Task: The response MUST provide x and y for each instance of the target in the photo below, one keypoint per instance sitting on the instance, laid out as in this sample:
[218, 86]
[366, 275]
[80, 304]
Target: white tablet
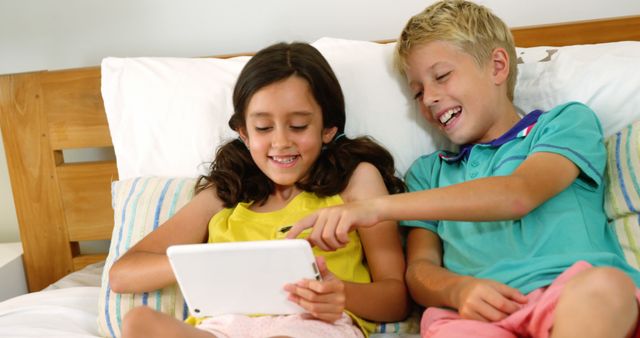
[241, 277]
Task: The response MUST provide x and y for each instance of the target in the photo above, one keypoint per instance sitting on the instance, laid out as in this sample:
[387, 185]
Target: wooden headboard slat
[70, 137]
[76, 112]
[582, 32]
[87, 205]
[80, 262]
[23, 119]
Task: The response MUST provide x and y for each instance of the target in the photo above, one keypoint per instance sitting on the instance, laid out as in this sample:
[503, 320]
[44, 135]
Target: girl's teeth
[287, 159]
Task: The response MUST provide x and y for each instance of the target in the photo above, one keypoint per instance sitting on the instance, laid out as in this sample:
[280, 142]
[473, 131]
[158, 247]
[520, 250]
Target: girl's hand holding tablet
[324, 299]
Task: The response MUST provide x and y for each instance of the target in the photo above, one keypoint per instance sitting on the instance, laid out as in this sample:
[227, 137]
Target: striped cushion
[140, 206]
[622, 194]
[411, 325]
[622, 189]
[628, 231]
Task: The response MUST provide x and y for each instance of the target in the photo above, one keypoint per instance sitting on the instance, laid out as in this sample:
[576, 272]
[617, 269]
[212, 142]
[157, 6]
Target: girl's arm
[538, 178]
[145, 266]
[385, 298]
[432, 285]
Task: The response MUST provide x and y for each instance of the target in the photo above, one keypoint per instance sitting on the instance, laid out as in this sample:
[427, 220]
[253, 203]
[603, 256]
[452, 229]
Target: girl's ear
[500, 65]
[328, 134]
[243, 136]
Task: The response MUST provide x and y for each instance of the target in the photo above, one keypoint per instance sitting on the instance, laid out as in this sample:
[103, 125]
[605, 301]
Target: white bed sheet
[91, 275]
[67, 308]
[67, 312]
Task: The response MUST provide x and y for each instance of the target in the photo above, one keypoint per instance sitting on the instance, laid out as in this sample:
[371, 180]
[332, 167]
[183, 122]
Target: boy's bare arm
[428, 282]
[540, 177]
[432, 285]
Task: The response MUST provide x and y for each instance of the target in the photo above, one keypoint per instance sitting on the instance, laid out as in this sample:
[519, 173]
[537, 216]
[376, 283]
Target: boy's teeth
[444, 118]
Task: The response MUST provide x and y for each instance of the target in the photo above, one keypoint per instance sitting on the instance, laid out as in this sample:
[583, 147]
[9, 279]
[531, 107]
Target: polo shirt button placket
[474, 164]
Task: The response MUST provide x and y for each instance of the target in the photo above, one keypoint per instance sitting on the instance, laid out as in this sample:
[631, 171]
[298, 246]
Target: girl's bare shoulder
[365, 182]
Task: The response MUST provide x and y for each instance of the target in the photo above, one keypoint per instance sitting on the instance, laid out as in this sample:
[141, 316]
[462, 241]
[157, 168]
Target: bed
[61, 204]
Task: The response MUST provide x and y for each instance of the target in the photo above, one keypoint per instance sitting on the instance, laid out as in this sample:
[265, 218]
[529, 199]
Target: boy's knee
[611, 286]
[133, 323]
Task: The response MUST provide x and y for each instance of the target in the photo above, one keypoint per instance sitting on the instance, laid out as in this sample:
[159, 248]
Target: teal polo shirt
[531, 252]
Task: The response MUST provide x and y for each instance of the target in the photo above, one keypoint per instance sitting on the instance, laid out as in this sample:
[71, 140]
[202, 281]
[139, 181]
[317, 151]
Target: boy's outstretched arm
[541, 176]
[538, 178]
[432, 285]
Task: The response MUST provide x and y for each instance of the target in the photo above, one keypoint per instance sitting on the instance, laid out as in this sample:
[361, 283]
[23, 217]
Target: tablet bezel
[241, 277]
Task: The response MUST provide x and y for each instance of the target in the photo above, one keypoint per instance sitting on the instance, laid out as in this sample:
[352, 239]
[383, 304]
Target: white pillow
[604, 76]
[168, 115]
[378, 101]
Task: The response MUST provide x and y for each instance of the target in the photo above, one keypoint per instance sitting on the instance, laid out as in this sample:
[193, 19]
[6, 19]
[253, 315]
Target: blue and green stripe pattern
[140, 205]
[622, 189]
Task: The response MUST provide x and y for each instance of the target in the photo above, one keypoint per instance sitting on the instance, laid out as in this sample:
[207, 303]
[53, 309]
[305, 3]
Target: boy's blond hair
[469, 26]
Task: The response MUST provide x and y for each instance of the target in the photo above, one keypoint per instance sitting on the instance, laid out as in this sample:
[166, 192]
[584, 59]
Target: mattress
[67, 308]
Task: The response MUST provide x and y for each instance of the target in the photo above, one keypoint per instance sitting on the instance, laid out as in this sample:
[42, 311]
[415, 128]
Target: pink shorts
[533, 320]
[269, 326]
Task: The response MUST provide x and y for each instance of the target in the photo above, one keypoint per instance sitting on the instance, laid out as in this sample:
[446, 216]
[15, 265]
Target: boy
[508, 232]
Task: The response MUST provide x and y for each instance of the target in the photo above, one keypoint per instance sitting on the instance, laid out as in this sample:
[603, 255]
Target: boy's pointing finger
[301, 225]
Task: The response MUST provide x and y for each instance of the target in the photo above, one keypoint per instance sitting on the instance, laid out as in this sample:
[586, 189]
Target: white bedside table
[12, 279]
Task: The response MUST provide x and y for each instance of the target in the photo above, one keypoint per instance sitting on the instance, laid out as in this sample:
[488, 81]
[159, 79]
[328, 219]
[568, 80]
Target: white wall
[42, 34]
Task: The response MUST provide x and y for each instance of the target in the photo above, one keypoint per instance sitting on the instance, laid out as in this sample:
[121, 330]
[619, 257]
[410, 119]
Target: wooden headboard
[61, 204]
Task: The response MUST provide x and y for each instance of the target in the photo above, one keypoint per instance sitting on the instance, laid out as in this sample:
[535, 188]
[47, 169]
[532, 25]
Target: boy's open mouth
[448, 116]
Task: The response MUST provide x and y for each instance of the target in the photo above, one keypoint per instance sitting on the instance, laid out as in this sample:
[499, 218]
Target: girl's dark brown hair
[237, 178]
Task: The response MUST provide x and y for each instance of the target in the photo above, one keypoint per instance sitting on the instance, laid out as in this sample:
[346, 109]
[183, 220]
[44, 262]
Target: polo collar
[520, 129]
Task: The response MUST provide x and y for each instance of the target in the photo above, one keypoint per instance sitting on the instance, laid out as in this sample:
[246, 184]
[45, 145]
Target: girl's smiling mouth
[284, 160]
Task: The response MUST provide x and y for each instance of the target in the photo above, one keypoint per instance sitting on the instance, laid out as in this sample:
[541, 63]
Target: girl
[291, 159]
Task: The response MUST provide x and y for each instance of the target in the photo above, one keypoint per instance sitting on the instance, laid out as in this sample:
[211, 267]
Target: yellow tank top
[242, 224]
